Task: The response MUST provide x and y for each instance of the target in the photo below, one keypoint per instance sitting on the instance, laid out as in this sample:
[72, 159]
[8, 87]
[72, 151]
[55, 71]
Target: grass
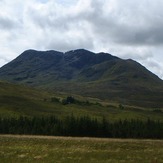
[17, 106]
[17, 149]
[18, 100]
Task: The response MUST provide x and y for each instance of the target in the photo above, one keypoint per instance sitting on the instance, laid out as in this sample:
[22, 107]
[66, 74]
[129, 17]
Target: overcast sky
[125, 28]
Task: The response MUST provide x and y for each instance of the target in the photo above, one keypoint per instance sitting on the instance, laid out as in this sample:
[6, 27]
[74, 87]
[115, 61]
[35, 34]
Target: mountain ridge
[100, 75]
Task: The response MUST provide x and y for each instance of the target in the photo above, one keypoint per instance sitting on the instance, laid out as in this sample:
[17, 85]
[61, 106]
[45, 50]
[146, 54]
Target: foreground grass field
[15, 149]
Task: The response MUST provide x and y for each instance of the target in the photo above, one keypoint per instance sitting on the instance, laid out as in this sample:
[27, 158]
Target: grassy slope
[82, 150]
[20, 100]
[126, 83]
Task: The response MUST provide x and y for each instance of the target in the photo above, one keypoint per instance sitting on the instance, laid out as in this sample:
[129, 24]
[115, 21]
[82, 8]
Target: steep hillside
[88, 74]
[33, 65]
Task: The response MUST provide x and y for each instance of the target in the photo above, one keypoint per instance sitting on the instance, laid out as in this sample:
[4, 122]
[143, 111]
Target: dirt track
[75, 138]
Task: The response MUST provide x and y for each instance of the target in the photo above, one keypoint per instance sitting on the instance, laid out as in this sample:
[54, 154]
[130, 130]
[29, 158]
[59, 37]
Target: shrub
[55, 99]
[68, 100]
[121, 106]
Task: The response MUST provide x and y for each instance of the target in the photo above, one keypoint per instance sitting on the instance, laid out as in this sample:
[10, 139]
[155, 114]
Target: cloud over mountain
[129, 29]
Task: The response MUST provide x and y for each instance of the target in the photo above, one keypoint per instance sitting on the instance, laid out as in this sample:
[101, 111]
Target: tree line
[82, 126]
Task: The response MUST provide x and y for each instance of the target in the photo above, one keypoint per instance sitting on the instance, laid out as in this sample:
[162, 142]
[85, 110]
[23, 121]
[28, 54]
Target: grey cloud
[63, 31]
[7, 23]
[3, 60]
[67, 45]
[128, 29]
[154, 66]
[151, 36]
[56, 18]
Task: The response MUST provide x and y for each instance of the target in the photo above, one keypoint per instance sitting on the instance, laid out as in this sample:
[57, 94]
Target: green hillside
[18, 100]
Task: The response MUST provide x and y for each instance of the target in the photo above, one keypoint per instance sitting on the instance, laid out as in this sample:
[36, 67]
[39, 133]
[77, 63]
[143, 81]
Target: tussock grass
[17, 149]
[19, 100]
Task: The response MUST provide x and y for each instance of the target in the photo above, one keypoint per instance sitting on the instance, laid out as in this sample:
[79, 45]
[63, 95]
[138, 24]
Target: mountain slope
[19, 100]
[86, 73]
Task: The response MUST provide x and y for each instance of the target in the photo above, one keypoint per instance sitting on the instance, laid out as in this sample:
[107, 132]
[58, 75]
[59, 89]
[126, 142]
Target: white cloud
[128, 29]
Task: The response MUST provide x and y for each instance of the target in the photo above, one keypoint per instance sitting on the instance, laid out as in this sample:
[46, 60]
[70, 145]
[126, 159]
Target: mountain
[98, 75]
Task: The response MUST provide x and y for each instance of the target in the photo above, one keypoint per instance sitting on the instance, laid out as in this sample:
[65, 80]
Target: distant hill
[19, 100]
[98, 75]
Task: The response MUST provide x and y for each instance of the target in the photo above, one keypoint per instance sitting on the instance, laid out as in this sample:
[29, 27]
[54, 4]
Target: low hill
[81, 72]
[19, 100]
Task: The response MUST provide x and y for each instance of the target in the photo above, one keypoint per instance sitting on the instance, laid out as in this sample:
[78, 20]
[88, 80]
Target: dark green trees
[82, 126]
[68, 100]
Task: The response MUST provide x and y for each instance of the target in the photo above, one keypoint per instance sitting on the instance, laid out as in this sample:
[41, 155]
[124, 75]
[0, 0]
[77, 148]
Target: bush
[68, 100]
[55, 99]
[121, 106]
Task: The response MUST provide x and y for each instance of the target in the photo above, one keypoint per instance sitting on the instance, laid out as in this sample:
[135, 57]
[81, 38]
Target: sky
[125, 28]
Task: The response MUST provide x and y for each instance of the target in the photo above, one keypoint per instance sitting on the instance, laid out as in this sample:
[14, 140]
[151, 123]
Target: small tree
[64, 102]
[121, 106]
[70, 99]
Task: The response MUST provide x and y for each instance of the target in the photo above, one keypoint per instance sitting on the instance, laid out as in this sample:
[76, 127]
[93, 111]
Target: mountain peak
[79, 51]
[86, 73]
